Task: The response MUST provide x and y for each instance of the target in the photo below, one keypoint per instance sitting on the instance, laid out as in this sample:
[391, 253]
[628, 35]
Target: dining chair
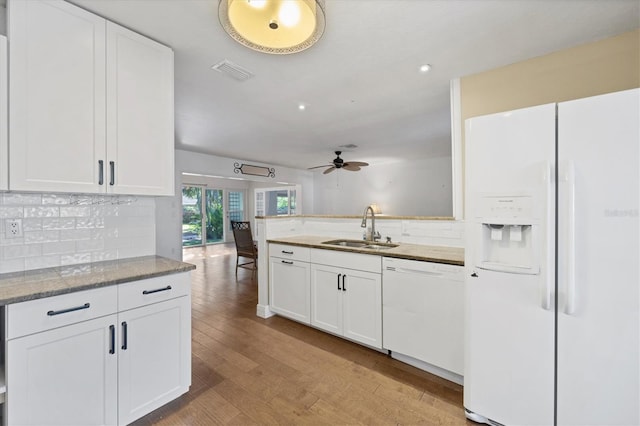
[245, 246]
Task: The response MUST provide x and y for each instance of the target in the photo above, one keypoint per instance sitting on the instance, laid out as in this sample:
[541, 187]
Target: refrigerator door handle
[548, 281]
[569, 178]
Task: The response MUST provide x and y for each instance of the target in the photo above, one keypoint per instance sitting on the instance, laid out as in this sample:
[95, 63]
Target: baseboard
[263, 311]
[440, 372]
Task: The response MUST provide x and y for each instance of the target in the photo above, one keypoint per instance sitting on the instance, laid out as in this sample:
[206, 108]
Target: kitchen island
[403, 298]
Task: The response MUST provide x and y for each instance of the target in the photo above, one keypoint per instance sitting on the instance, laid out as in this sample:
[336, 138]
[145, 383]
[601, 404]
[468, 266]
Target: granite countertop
[438, 254]
[359, 217]
[28, 285]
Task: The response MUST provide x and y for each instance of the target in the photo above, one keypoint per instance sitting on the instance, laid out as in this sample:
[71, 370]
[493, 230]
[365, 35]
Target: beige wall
[592, 69]
[605, 66]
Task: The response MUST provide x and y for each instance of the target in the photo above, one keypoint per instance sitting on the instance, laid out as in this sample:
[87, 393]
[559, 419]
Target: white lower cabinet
[102, 357]
[347, 302]
[290, 288]
[334, 291]
[154, 358]
[64, 376]
[289, 282]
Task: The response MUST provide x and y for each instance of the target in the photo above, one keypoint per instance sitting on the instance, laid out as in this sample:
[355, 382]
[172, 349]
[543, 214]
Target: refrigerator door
[598, 253]
[509, 327]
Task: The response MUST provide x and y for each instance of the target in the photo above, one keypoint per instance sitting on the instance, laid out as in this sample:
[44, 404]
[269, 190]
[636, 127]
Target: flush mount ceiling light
[273, 26]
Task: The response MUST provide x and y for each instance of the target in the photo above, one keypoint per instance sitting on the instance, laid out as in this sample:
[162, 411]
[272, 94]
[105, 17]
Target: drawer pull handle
[64, 311]
[112, 175]
[112, 332]
[287, 252]
[100, 172]
[157, 290]
[124, 335]
[287, 262]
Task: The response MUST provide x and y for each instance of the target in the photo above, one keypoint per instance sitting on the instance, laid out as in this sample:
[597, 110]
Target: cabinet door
[64, 376]
[362, 311]
[57, 97]
[326, 298]
[290, 289]
[140, 135]
[154, 357]
[4, 149]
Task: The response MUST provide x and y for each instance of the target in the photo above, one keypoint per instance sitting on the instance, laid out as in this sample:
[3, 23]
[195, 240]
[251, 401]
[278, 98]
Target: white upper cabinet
[140, 134]
[57, 96]
[91, 104]
[4, 149]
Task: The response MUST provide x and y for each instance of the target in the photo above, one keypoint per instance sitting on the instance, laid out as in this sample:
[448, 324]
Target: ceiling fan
[339, 163]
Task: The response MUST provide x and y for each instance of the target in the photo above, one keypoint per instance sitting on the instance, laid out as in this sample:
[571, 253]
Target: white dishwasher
[423, 314]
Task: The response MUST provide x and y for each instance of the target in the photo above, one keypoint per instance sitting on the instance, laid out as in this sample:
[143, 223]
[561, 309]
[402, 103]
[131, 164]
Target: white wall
[169, 209]
[67, 229]
[408, 188]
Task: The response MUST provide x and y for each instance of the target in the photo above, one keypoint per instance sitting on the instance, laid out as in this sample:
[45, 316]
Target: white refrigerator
[552, 290]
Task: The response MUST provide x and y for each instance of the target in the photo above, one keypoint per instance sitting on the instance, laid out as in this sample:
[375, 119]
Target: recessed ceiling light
[302, 107]
[425, 68]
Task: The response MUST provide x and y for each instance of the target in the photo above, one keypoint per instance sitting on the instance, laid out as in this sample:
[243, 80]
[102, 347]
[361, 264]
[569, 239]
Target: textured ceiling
[360, 81]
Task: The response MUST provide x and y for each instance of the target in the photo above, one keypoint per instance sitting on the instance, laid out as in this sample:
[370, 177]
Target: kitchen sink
[360, 244]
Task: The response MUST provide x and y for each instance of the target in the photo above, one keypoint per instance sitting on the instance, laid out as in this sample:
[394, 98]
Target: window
[276, 201]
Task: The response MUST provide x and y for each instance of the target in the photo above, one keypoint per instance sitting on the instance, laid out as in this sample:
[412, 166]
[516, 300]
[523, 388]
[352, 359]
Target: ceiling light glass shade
[273, 26]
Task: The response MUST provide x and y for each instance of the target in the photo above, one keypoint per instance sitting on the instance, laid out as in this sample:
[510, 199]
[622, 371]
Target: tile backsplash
[65, 229]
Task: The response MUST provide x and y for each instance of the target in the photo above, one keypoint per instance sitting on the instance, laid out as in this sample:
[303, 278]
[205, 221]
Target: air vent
[349, 146]
[233, 70]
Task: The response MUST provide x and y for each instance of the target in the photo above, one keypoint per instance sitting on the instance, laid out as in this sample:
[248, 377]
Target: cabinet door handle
[64, 311]
[287, 252]
[339, 275]
[124, 335]
[287, 262]
[344, 286]
[100, 172]
[156, 290]
[112, 334]
[112, 173]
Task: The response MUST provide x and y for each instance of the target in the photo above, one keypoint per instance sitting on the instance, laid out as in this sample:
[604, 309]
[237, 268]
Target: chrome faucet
[375, 236]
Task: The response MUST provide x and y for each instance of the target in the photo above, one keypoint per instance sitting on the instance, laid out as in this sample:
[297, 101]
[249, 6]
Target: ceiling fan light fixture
[273, 26]
[338, 163]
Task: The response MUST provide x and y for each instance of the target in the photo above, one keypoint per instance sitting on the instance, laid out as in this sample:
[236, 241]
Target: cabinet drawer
[144, 292]
[47, 313]
[289, 252]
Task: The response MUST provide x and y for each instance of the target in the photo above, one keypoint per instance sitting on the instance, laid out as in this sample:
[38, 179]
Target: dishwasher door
[423, 312]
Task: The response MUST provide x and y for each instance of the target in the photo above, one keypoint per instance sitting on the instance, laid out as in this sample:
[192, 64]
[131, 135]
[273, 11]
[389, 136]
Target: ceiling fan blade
[356, 163]
[351, 167]
[317, 167]
[329, 170]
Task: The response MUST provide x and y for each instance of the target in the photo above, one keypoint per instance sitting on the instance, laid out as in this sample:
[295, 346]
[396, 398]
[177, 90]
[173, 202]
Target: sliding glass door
[204, 217]
[214, 216]
[191, 216]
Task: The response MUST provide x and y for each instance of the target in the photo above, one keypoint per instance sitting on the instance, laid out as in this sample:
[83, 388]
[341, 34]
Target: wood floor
[248, 370]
